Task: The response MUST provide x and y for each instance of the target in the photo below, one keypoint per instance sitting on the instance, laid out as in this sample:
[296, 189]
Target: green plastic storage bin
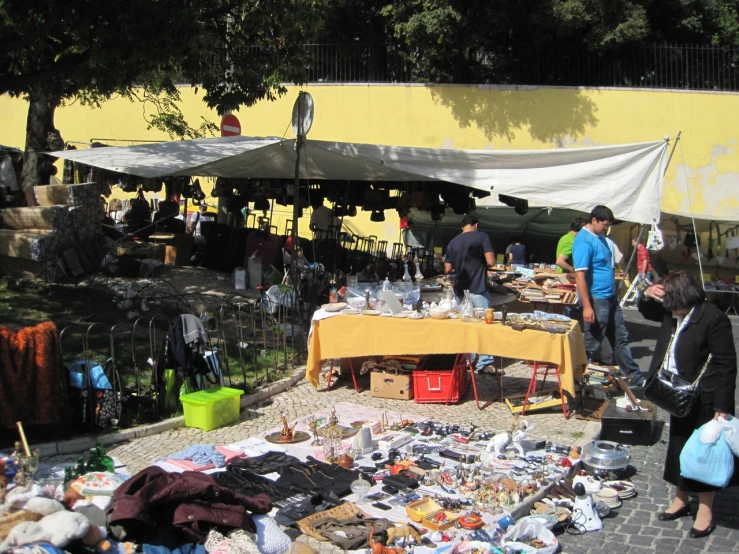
[211, 408]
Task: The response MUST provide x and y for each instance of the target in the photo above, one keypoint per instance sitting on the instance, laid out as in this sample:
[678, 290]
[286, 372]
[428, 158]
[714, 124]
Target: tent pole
[641, 231]
[296, 212]
[674, 146]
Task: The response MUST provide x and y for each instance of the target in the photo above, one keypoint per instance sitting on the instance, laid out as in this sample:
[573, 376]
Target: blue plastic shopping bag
[712, 464]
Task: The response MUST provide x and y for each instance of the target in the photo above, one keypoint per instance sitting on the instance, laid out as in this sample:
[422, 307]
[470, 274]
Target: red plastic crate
[436, 386]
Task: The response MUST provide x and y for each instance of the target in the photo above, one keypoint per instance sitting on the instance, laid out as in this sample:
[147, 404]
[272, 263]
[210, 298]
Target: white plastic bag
[240, 278]
[655, 240]
[530, 530]
[710, 432]
[731, 432]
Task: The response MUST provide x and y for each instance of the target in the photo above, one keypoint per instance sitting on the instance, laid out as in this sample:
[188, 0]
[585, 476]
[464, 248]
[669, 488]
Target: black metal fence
[668, 66]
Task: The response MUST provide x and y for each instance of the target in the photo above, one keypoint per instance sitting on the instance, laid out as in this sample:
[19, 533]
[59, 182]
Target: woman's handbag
[671, 392]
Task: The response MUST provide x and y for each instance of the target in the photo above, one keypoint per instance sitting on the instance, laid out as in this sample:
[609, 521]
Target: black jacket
[708, 331]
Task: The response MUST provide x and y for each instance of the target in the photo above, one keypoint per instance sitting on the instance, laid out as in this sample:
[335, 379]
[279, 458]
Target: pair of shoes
[667, 516]
[698, 534]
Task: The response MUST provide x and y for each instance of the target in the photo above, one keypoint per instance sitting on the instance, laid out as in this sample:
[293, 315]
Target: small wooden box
[424, 511]
[178, 247]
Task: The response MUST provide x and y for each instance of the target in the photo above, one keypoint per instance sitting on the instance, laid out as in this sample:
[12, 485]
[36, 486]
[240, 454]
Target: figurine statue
[520, 435]
[286, 435]
[333, 418]
[499, 443]
[313, 425]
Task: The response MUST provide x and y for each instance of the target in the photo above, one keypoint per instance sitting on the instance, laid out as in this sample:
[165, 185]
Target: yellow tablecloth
[348, 336]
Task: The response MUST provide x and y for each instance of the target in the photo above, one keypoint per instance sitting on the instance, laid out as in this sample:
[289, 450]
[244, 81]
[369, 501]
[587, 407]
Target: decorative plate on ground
[335, 307]
[546, 520]
[298, 436]
[602, 509]
[346, 432]
[625, 489]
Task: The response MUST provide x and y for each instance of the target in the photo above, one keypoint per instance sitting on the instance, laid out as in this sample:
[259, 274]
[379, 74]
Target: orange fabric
[349, 336]
[30, 375]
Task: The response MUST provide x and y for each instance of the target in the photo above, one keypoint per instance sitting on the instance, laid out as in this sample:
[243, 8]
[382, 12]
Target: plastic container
[211, 408]
[431, 385]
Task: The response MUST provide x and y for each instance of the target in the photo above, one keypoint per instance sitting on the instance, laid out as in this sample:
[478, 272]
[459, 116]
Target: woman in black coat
[700, 329]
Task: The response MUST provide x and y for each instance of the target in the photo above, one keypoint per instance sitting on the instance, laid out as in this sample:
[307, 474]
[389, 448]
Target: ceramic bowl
[439, 313]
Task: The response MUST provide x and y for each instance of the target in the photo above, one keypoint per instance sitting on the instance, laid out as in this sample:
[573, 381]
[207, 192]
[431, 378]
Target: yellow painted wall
[706, 162]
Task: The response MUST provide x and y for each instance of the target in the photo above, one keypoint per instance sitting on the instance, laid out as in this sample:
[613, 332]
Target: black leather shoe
[696, 534]
[667, 516]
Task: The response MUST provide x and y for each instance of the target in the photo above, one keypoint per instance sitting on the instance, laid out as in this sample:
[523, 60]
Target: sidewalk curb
[83, 444]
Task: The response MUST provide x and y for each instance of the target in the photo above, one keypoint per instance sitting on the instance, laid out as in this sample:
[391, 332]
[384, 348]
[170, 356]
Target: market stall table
[351, 336]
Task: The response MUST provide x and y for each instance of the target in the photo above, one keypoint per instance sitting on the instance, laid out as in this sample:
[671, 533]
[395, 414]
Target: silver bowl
[600, 457]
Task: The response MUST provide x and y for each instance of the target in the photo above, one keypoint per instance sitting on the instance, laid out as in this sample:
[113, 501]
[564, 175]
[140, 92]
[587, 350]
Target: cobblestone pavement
[303, 400]
[632, 529]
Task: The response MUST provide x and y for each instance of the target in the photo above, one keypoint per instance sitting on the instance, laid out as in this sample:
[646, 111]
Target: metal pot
[604, 456]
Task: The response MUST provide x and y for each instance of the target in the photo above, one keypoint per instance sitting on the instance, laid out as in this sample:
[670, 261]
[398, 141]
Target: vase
[406, 274]
[467, 309]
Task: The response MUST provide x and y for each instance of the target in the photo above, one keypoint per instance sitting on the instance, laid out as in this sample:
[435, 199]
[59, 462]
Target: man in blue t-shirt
[469, 254]
[596, 283]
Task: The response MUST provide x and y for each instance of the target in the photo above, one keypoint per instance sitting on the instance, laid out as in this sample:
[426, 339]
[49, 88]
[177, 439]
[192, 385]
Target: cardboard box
[77, 194]
[178, 247]
[390, 385]
[393, 439]
[144, 251]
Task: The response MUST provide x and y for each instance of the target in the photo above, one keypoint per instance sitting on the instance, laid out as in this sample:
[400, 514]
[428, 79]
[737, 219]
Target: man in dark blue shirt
[517, 255]
[469, 254]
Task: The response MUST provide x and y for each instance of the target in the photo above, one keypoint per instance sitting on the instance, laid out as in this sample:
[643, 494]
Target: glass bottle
[468, 309]
[81, 467]
[419, 273]
[406, 274]
[504, 311]
[68, 477]
[107, 463]
[17, 453]
[92, 461]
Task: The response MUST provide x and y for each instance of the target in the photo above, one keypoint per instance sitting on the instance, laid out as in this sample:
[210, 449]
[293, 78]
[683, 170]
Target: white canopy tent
[627, 178]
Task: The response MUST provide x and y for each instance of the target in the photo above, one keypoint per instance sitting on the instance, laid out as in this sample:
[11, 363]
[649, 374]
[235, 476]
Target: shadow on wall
[550, 115]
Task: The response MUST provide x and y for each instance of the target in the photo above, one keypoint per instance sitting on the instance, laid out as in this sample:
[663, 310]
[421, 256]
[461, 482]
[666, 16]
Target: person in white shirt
[193, 226]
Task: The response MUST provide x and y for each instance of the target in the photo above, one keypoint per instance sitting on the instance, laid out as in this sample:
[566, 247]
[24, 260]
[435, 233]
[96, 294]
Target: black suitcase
[239, 248]
[218, 246]
[634, 428]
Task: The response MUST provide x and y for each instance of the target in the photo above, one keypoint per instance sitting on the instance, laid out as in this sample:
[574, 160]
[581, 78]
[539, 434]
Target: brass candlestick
[313, 425]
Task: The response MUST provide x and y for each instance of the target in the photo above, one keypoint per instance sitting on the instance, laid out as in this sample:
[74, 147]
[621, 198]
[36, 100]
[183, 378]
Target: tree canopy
[237, 51]
[484, 41]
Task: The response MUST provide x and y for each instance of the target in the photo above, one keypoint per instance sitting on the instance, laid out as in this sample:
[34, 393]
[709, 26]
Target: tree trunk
[41, 136]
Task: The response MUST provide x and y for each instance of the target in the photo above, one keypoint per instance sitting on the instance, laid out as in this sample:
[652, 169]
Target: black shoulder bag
[671, 392]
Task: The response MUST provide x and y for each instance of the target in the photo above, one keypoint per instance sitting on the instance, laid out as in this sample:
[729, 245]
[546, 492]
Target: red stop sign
[230, 126]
